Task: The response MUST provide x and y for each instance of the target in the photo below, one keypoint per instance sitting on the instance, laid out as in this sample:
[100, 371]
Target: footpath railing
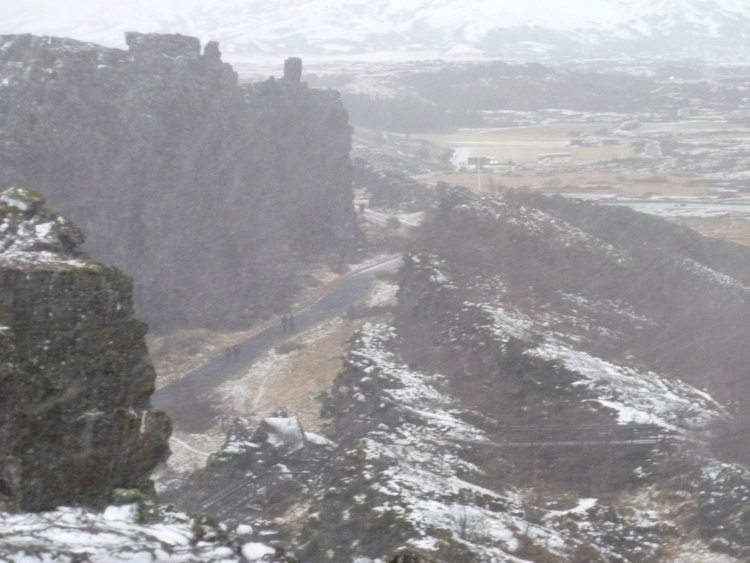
[575, 436]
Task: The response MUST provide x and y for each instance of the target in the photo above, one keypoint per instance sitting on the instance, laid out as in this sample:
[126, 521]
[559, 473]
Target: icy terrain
[119, 533]
[419, 482]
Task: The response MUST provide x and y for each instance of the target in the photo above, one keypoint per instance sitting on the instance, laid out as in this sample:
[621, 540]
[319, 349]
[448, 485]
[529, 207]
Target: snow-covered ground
[118, 535]
[637, 398]
[416, 472]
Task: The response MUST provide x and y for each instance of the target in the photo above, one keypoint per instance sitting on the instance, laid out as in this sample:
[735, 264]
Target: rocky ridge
[632, 288]
[504, 334]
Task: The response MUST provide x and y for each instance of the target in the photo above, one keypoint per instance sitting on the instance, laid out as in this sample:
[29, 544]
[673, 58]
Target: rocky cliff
[75, 378]
[210, 194]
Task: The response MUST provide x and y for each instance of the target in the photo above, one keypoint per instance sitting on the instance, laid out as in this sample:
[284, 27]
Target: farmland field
[692, 160]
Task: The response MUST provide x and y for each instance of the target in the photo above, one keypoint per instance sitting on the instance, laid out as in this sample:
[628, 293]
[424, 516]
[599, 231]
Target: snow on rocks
[415, 469]
[33, 234]
[714, 276]
[552, 228]
[637, 398]
[610, 306]
[502, 322]
[283, 433]
[414, 478]
[117, 534]
[254, 551]
[414, 391]
[318, 440]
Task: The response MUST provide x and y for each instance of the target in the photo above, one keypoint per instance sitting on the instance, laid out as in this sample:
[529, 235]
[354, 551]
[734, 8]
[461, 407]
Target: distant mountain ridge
[386, 29]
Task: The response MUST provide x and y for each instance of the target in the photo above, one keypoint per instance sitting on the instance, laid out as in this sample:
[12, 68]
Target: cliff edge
[75, 378]
[210, 193]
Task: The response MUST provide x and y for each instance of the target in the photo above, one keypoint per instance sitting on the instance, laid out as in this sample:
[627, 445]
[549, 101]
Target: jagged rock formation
[210, 194]
[508, 320]
[75, 378]
[261, 474]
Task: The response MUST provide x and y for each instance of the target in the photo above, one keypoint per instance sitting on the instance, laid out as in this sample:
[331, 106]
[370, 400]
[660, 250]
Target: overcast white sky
[251, 25]
[100, 18]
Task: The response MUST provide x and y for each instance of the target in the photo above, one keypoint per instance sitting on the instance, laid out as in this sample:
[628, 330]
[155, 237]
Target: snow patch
[639, 398]
[714, 275]
[115, 534]
[284, 433]
[254, 551]
[383, 293]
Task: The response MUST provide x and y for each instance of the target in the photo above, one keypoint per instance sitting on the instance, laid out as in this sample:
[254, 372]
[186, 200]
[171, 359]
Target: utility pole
[479, 174]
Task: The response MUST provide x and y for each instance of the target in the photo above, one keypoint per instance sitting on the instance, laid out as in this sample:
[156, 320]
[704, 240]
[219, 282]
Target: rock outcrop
[264, 474]
[210, 194]
[75, 378]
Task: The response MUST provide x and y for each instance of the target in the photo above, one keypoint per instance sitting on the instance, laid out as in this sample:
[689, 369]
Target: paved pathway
[198, 382]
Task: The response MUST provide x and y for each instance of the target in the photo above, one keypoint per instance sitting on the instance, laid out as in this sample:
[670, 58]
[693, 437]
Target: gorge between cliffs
[234, 328]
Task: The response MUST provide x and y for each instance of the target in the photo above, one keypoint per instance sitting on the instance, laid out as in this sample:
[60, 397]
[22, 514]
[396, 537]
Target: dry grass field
[583, 184]
[525, 144]
[732, 229]
[692, 127]
[590, 171]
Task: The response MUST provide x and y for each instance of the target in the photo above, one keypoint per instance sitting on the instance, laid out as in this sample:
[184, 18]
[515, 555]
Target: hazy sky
[234, 22]
[103, 20]
[250, 27]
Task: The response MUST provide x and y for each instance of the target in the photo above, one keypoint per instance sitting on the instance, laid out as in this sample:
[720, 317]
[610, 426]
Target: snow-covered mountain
[385, 29]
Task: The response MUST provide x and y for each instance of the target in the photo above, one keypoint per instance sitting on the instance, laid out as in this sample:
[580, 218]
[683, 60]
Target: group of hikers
[232, 354]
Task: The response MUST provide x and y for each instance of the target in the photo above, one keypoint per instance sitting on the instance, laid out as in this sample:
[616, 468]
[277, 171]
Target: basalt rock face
[75, 378]
[205, 191]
